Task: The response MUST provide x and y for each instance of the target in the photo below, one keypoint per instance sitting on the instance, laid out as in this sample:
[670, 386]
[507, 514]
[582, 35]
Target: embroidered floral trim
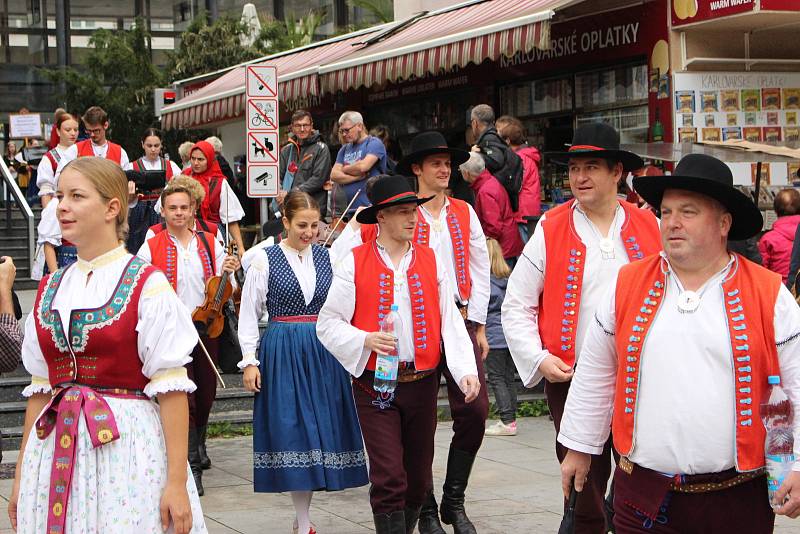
[166, 380]
[306, 459]
[51, 320]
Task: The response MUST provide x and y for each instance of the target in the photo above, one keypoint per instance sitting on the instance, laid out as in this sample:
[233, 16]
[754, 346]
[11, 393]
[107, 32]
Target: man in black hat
[398, 427]
[452, 229]
[561, 276]
[680, 353]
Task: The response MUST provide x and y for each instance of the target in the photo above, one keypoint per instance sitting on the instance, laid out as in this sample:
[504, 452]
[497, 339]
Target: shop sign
[692, 11]
[419, 86]
[780, 5]
[616, 34]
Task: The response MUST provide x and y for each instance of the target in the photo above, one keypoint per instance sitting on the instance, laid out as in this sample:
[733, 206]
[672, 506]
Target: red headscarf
[212, 171]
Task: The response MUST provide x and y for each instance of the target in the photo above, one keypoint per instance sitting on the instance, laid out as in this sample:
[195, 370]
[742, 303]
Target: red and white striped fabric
[223, 99]
[443, 40]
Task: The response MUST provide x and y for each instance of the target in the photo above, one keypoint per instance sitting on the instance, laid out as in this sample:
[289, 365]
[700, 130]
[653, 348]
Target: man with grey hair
[493, 207]
[360, 157]
[501, 162]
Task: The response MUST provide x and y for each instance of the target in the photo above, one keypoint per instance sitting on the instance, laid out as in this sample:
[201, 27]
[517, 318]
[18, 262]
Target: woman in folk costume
[53, 252]
[67, 128]
[220, 204]
[106, 336]
[306, 435]
[151, 160]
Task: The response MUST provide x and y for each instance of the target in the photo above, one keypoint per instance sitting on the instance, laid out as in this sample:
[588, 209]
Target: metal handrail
[22, 204]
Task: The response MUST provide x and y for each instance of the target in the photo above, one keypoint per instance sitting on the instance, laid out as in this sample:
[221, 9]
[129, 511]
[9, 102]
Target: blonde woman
[499, 365]
[107, 336]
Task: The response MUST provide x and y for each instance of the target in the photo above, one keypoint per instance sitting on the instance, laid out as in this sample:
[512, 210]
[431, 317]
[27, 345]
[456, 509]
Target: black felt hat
[597, 139]
[426, 144]
[711, 177]
[388, 191]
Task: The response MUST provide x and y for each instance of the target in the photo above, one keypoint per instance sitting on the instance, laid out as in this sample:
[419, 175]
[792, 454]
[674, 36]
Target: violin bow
[330, 235]
[211, 363]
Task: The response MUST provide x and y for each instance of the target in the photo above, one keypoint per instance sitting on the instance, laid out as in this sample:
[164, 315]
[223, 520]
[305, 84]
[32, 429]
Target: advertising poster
[713, 134]
[709, 100]
[752, 133]
[732, 132]
[684, 101]
[771, 98]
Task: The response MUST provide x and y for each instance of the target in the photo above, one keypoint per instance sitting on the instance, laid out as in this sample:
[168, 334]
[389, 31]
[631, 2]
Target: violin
[209, 317]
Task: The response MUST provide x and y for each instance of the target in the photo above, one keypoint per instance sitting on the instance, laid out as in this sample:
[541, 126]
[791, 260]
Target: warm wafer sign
[262, 131]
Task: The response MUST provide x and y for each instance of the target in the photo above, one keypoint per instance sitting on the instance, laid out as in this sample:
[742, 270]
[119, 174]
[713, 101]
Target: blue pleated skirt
[306, 434]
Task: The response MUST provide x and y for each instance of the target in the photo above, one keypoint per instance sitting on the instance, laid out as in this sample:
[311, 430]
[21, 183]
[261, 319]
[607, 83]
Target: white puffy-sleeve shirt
[346, 342]
[166, 335]
[256, 287]
[48, 230]
[46, 174]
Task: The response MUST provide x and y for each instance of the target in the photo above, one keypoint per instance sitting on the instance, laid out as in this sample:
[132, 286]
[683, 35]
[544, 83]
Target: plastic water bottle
[776, 413]
[387, 365]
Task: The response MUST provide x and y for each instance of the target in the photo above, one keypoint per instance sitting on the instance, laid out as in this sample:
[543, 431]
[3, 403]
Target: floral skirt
[116, 487]
[306, 434]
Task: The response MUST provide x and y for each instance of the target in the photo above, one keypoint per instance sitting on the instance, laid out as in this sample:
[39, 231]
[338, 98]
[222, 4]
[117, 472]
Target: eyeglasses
[345, 131]
[94, 130]
[302, 126]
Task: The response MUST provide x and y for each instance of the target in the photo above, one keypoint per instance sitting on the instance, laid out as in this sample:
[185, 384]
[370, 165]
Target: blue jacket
[494, 329]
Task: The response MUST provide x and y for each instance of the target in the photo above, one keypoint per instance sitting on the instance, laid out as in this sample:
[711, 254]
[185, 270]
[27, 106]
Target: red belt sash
[62, 413]
[295, 319]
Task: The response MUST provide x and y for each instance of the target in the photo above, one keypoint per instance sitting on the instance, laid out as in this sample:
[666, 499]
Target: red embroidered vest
[114, 152]
[100, 348]
[164, 255]
[53, 157]
[750, 294]
[560, 301]
[459, 229]
[374, 283]
[138, 166]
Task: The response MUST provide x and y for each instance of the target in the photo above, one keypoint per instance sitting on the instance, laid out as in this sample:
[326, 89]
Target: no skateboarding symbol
[262, 147]
[262, 81]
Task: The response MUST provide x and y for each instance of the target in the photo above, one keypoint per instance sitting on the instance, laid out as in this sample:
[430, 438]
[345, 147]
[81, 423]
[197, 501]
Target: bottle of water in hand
[387, 365]
[776, 413]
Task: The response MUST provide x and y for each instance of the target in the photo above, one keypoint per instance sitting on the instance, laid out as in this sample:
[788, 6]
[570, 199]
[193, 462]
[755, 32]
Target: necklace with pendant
[605, 244]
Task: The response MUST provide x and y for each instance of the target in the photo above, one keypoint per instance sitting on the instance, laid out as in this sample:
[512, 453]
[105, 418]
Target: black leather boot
[429, 517]
[394, 523]
[412, 514]
[459, 466]
[194, 461]
[205, 461]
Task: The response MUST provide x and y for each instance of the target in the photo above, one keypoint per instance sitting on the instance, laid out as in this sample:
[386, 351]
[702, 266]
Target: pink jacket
[530, 197]
[493, 208]
[776, 245]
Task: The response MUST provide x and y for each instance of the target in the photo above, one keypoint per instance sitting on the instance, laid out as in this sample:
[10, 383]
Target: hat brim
[457, 157]
[629, 160]
[747, 219]
[370, 215]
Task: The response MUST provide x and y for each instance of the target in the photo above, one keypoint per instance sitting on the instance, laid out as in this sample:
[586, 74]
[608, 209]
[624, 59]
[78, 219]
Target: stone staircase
[234, 405]
[14, 241]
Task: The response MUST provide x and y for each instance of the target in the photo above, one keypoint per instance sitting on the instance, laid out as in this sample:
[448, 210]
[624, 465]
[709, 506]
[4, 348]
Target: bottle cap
[773, 379]
[394, 307]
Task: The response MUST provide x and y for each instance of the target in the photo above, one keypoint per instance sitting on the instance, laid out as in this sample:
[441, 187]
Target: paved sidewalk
[515, 488]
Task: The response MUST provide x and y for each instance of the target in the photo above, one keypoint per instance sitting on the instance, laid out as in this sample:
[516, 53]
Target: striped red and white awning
[223, 99]
[440, 42]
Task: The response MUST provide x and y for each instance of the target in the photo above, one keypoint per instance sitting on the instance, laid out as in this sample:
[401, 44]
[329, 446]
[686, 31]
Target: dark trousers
[589, 509]
[202, 374]
[399, 442]
[742, 508]
[500, 377]
[469, 419]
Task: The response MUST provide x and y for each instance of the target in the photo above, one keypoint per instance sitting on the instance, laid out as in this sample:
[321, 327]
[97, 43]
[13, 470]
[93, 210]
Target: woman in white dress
[46, 176]
[106, 336]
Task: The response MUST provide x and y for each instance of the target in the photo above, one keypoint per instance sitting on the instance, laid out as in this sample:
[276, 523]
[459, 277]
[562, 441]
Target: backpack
[511, 174]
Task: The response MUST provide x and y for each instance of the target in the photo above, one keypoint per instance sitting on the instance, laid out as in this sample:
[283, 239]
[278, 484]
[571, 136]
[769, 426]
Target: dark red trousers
[589, 508]
[743, 508]
[469, 419]
[202, 374]
[399, 442]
